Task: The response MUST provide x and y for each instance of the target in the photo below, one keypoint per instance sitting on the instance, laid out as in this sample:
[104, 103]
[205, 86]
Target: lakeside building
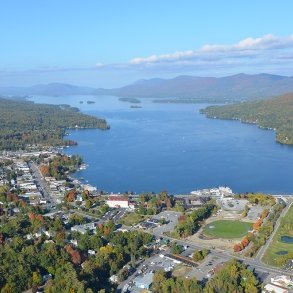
[118, 202]
[218, 193]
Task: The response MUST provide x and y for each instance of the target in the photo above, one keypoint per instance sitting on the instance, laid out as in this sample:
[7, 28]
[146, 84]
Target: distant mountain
[239, 86]
[231, 87]
[51, 89]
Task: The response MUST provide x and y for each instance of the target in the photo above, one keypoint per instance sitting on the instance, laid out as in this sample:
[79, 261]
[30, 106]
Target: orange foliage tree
[245, 241]
[74, 254]
[237, 247]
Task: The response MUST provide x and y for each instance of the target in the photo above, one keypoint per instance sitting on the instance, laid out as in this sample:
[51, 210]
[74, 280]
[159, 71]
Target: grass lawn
[273, 255]
[131, 219]
[180, 271]
[227, 229]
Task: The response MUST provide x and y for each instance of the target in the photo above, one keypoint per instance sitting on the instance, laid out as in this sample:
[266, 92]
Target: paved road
[43, 185]
[222, 253]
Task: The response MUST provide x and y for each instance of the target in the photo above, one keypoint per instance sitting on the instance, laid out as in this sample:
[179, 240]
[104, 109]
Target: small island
[130, 100]
[91, 102]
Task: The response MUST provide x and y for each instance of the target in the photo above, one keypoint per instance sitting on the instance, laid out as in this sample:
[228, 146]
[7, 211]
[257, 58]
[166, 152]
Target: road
[221, 253]
[42, 184]
[141, 264]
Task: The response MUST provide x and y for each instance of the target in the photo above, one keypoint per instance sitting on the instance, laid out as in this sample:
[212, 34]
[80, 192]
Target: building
[269, 288]
[84, 228]
[282, 281]
[144, 281]
[118, 202]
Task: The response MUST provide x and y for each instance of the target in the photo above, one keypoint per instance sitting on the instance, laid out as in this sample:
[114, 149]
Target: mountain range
[239, 86]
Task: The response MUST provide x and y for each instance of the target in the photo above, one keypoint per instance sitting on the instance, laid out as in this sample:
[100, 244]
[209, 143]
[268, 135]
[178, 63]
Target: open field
[276, 254]
[131, 219]
[227, 229]
[181, 270]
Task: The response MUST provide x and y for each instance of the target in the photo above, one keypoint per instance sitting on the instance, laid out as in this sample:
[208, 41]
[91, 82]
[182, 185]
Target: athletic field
[227, 229]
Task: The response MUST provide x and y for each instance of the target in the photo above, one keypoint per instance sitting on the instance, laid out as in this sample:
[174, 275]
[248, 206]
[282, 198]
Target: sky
[112, 43]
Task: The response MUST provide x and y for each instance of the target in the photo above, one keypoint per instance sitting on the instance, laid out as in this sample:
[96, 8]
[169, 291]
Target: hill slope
[25, 123]
[240, 86]
[276, 113]
[235, 87]
[51, 89]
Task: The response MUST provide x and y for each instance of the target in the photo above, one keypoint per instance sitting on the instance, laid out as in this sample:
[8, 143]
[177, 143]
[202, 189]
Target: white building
[282, 281]
[117, 202]
[269, 288]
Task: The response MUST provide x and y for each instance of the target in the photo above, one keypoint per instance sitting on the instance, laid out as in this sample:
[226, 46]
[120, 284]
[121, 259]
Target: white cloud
[246, 48]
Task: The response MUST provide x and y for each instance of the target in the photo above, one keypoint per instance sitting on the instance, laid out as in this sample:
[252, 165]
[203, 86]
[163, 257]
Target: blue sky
[112, 43]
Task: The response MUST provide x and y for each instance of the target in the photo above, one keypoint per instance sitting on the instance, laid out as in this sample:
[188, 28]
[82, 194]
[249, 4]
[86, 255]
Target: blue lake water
[173, 147]
[287, 239]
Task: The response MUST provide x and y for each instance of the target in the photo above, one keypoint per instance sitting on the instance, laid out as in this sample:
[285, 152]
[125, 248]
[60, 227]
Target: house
[114, 279]
[84, 228]
[118, 202]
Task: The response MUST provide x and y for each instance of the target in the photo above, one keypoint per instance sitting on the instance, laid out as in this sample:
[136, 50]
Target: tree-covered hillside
[24, 123]
[276, 113]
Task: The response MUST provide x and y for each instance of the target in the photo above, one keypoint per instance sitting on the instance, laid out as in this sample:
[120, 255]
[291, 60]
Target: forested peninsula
[275, 113]
[24, 123]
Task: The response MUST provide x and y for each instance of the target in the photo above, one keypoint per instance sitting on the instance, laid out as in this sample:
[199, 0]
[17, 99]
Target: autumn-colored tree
[237, 247]
[245, 241]
[70, 196]
[257, 224]
[11, 197]
[45, 170]
[74, 254]
[1, 239]
[100, 227]
[264, 214]
[181, 219]
[31, 216]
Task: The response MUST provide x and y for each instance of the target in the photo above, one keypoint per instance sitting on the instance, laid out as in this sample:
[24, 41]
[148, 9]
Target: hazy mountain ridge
[50, 89]
[235, 86]
[239, 86]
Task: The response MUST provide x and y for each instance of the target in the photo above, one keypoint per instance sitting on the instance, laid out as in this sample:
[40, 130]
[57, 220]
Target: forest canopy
[24, 123]
[276, 113]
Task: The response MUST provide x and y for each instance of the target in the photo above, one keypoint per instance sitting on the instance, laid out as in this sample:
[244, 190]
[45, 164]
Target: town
[187, 236]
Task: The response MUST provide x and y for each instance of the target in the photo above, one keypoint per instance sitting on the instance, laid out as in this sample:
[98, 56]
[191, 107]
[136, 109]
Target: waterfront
[173, 147]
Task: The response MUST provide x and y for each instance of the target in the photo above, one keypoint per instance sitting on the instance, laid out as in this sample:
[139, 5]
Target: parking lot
[114, 214]
[171, 218]
[254, 213]
[236, 205]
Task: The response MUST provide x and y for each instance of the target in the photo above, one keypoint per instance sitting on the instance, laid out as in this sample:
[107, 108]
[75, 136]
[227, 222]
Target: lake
[173, 147]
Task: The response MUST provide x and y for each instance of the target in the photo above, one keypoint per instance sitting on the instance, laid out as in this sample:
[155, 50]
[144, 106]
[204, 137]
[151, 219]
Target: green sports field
[227, 229]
